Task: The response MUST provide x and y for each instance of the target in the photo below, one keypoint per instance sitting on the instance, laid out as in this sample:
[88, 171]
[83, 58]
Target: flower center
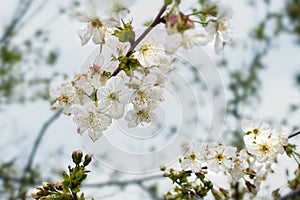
[96, 23]
[114, 96]
[219, 157]
[146, 49]
[63, 98]
[144, 116]
[264, 148]
[93, 121]
[192, 156]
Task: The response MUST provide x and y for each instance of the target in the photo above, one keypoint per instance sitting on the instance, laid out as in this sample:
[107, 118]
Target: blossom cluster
[251, 164]
[130, 81]
[95, 98]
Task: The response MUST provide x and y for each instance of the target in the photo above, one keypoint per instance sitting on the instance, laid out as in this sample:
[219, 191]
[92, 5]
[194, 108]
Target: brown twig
[34, 149]
[156, 21]
[294, 134]
[21, 10]
[237, 193]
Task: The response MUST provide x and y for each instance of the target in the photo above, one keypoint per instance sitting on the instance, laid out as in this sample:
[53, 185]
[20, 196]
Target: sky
[21, 123]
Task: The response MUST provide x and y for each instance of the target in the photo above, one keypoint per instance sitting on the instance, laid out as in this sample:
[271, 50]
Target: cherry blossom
[89, 118]
[139, 116]
[187, 39]
[253, 129]
[97, 21]
[280, 137]
[220, 27]
[264, 148]
[114, 96]
[193, 159]
[218, 156]
[239, 165]
[63, 97]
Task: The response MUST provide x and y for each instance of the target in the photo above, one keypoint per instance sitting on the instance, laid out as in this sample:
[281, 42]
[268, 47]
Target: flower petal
[98, 36]
[85, 35]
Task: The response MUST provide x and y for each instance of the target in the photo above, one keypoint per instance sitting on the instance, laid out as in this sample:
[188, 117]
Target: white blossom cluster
[96, 97]
[262, 142]
[130, 82]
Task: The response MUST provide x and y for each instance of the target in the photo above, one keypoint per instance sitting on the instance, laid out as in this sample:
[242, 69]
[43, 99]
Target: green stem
[296, 159]
[195, 13]
[202, 23]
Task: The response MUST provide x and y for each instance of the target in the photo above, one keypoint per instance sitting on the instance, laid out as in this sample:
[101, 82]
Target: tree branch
[237, 193]
[35, 148]
[293, 193]
[294, 134]
[19, 14]
[156, 21]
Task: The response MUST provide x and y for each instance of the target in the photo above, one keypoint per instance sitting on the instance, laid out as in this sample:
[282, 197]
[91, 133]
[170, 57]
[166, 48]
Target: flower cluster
[129, 82]
[198, 28]
[251, 164]
[96, 97]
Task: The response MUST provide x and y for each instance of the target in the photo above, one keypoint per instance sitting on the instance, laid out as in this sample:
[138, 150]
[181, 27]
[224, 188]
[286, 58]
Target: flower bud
[58, 185]
[77, 156]
[38, 192]
[163, 168]
[87, 159]
[48, 186]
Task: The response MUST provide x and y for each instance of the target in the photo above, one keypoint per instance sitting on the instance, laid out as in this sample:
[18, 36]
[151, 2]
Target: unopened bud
[163, 168]
[87, 159]
[38, 192]
[48, 186]
[77, 156]
[58, 185]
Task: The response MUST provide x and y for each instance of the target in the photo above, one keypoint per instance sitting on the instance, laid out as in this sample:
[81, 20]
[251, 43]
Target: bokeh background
[39, 46]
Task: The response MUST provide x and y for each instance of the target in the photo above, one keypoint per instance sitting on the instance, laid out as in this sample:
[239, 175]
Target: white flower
[146, 93]
[219, 156]
[254, 129]
[113, 97]
[82, 83]
[161, 76]
[63, 96]
[239, 165]
[97, 77]
[193, 160]
[264, 148]
[88, 118]
[147, 97]
[165, 64]
[118, 8]
[259, 177]
[282, 139]
[149, 53]
[187, 39]
[97, 24]
[221, 28]
[139, 116]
